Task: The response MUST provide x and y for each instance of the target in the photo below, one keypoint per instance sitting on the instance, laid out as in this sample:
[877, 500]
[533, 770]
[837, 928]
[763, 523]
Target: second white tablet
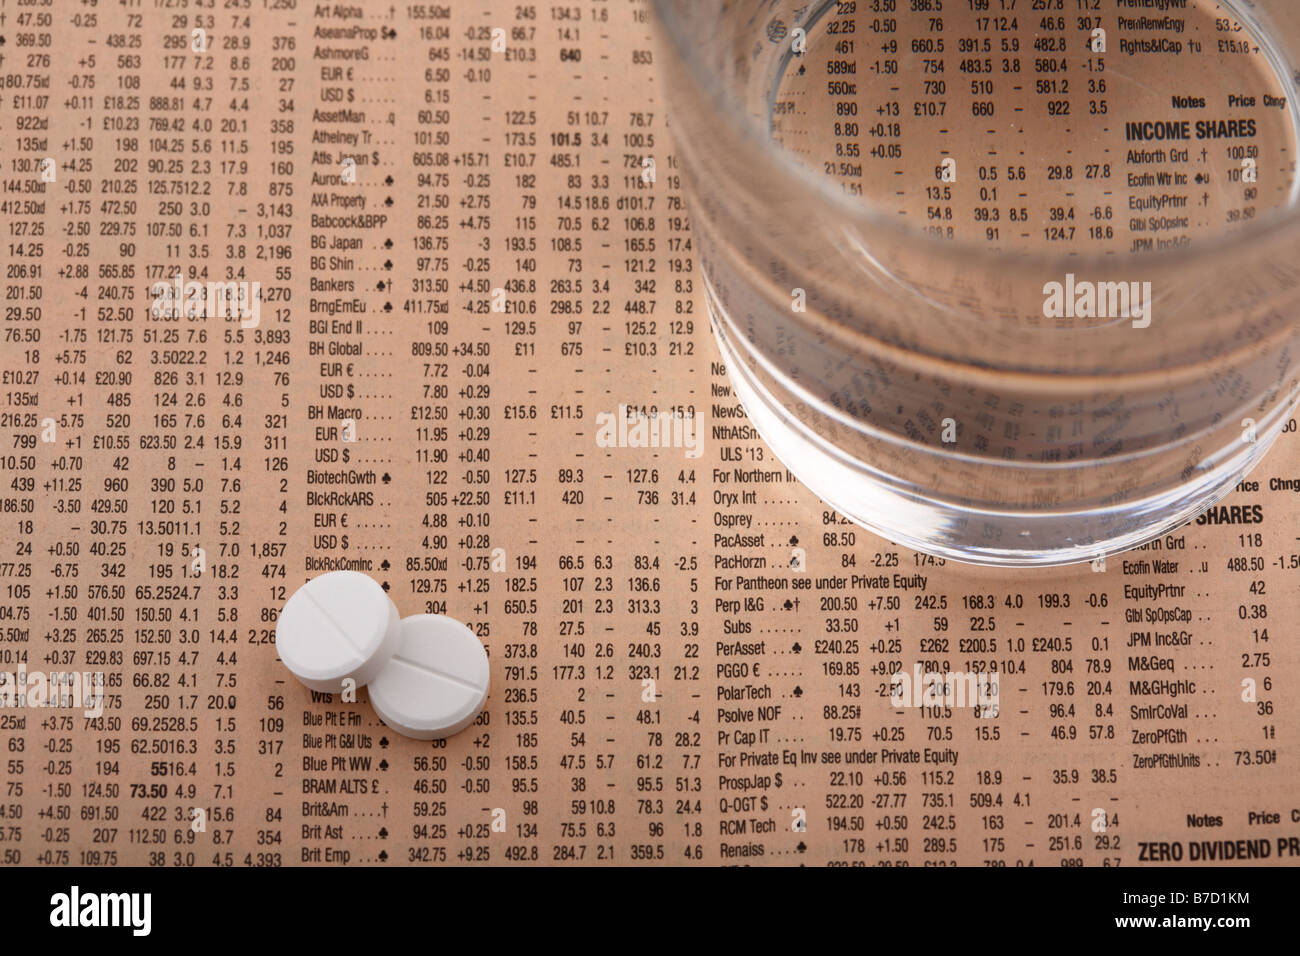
[436, 683]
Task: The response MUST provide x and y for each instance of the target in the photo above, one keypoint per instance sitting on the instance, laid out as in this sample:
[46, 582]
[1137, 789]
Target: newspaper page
[450, 333]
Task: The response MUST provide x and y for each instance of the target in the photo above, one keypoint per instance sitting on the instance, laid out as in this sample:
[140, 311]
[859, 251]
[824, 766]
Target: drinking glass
[1009, 286]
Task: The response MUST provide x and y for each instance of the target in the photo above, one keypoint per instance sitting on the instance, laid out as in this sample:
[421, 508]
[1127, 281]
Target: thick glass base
[904, 515]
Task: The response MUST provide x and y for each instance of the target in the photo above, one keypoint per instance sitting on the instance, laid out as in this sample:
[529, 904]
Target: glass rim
[1274, 227]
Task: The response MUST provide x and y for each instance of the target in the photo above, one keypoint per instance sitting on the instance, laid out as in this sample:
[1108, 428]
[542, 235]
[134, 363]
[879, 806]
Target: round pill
[436, 683]
[337, 626]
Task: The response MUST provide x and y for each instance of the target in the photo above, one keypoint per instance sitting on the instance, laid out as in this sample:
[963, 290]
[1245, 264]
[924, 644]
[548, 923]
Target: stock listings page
[411, 290]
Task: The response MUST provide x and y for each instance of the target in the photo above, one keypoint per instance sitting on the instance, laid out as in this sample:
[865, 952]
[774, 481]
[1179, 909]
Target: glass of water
[1009, 282]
